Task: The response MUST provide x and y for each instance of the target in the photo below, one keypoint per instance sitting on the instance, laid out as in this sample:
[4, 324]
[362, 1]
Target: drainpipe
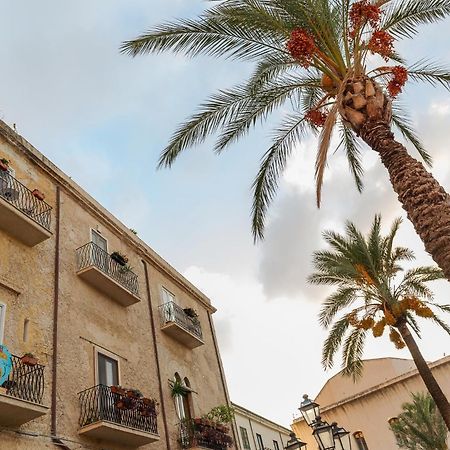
[222, 375]
[155, 348]
[55, 439]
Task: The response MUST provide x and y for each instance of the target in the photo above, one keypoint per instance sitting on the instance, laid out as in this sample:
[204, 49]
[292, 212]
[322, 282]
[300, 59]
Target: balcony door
[168, 301]
[107, 375]
[100, 250]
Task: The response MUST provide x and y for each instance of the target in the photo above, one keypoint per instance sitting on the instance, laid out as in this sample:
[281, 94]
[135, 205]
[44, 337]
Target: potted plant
[29, 359]
[119, 258]
[134, 393]
[125, 403]
[118, 390]
[4, 164]
[177, 388]
[190, 312]
[38, 194]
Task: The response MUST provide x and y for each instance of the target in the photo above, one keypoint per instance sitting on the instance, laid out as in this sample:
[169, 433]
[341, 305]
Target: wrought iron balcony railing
[25, 382]
[171, 312]
[204, 436]
[92, 255]
[100, 404]
[19, 196]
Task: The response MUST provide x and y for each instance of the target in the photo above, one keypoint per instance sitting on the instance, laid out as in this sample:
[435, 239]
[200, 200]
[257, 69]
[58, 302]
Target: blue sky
[104, 118]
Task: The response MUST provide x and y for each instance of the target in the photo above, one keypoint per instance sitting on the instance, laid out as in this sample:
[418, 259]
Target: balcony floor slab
[182, 335]
[15, 412]
[116, 433]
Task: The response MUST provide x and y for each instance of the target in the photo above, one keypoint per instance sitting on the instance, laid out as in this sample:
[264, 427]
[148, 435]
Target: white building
[258, 433]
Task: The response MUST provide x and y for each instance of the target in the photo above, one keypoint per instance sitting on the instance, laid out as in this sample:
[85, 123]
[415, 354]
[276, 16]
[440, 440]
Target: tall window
[360, 440]
[260, 442]
[275, 445]
[244, 436]
[99, 240]
[2, 321]
[182, 401]
[107, 370]
[167, 296]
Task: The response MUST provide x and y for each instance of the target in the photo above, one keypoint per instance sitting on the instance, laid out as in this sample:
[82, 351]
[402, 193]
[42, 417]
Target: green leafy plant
[221, 414]
[177, 388]
[420, 426]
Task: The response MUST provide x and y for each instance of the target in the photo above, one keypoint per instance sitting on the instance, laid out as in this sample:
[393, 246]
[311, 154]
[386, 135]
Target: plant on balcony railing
[121, 406]
[92, 255]
[25, 382]
[171, 312]
[202, 432]
[19, 196]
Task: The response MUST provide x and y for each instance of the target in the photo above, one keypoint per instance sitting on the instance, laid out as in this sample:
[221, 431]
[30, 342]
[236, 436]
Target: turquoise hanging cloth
[5, 364]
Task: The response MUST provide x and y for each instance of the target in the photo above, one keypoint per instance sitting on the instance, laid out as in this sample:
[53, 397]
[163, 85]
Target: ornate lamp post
[323, 434]
[295, 443]
[310, 410]
[342, 438]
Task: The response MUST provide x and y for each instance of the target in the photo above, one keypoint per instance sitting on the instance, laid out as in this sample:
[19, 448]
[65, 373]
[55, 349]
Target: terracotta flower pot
[117, 390]
[29, 360]
[3, 166]
[38, 194]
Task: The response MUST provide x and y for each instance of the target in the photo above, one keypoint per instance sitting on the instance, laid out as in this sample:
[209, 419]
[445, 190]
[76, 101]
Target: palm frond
[208, 36]
[272, 165]
[342, 298]
[324, 145]
[352, 352]
[442, 324]
[404, 124]
[403, 17]
[333, 342]
[349, 142]
[430, 72]
[216, 111]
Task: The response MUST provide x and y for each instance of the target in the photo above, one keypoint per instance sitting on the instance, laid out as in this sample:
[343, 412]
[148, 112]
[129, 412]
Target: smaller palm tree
[420, 426]
[375, 294]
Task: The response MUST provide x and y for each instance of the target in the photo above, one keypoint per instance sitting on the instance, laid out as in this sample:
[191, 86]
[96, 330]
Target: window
[167, 296]
[182, 401]
[360, 440]
[244, 436]
[275, 445]
[99, 240]
[2, 320]
[260, 441]
[107, 370]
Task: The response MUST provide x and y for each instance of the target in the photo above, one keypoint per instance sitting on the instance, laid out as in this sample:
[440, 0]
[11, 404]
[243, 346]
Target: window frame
[360, 440]
[260, 441]
[276, 446]
[2, 321]
[244, 438]
[163, 290]
[92, 231]
[110, 355]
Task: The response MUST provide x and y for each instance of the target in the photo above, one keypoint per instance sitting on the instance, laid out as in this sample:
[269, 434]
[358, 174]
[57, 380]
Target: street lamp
[323, 434]
[310, 410]
[295, 443]
[342, 438]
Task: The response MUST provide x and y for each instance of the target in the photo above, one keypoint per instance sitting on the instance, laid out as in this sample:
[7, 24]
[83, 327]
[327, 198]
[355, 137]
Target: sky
[103, 118]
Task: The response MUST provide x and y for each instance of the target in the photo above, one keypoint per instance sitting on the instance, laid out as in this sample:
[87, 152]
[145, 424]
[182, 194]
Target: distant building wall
[369, 409]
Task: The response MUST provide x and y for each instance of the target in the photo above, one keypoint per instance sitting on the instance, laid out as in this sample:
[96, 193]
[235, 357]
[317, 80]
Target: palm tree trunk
[425, 372]
[422, 197]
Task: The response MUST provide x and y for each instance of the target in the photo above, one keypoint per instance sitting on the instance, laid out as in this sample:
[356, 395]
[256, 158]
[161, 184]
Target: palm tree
[312, 57]
[373, 292]
[419, 426]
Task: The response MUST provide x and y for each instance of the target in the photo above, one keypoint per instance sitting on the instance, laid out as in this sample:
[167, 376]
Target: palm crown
[373, 292]
[312, 58]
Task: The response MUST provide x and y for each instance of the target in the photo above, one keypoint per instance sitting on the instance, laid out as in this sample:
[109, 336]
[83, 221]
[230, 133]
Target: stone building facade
[258, 433]
[364, 407]
[92, 322]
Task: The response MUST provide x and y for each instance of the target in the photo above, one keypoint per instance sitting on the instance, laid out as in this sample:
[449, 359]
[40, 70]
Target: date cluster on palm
[363, 100]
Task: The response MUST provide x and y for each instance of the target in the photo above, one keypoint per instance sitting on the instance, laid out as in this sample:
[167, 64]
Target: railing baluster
[171, 312]
[91, 254]
[25, 382]
[99, 403]
[15, 193]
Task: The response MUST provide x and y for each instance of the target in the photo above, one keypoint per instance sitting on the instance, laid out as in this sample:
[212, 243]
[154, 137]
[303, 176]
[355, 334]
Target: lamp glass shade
[295, 444]
[342, 440]
[310, 410]
[323, 434]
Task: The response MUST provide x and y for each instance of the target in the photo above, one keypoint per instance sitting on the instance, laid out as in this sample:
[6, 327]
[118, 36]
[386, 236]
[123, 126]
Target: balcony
[22, 215]
[177, 324]
[105, 274]
[116, 418]
[21, 395]
[200, 434]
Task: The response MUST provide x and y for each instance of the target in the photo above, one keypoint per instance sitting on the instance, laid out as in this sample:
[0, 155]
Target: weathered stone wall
[89, 319]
